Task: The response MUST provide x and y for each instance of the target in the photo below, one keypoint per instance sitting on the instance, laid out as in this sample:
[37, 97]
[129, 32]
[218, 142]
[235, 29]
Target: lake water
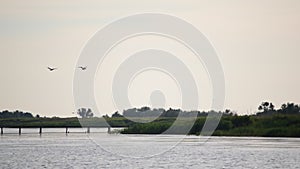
[54, 149]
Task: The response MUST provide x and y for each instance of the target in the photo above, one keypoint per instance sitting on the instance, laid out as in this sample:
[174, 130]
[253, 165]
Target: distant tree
[15, 114]
[289, 108]
[266, 106]
[116, 114]
[130, 112]
[29, 115]
[85, 113]
[202, 114]
[228, 112]
[283, 106]
[145, 108]
[6, 114]
[171, 113]
[105, 116]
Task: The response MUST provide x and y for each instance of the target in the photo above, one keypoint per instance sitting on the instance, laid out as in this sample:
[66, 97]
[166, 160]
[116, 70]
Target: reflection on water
[76, 150]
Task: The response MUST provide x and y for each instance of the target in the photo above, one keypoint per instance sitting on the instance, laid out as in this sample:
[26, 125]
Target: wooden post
[88, 130]
[1, 130]
[108, 130]
[40, 130]
[20, 130]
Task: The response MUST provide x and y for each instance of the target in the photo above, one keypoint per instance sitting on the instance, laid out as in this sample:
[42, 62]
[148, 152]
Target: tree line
[15, 114]
[268, 108]
[264, 109]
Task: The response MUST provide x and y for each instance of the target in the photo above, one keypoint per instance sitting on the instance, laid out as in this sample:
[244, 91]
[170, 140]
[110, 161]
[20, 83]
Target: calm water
[79, 150]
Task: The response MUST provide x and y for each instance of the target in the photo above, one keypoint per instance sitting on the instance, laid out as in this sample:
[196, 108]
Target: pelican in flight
[82, 68]
[51, 69]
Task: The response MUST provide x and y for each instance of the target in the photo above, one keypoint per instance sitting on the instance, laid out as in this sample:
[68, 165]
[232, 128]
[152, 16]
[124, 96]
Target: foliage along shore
[267, 122]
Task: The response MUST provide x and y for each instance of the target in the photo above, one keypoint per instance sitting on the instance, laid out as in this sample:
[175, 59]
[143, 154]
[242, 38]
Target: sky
[257, 42]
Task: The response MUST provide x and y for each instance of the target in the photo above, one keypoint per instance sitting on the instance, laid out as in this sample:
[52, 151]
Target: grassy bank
[266, 126]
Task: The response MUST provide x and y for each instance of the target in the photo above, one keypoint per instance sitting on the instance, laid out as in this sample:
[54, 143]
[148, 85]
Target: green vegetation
[267, 122]
[267, 126]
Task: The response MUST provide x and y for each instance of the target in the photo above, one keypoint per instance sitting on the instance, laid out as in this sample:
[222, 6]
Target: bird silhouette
[51, 69]
[82, 68]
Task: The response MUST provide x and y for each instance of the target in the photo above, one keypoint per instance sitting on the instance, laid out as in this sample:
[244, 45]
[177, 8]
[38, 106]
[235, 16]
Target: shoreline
[237, 126]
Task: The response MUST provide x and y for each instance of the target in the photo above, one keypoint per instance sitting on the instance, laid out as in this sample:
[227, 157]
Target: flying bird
[82, 68]
[51, 69]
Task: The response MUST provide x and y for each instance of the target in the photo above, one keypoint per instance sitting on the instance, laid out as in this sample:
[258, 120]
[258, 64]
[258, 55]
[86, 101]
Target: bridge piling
[88, 129]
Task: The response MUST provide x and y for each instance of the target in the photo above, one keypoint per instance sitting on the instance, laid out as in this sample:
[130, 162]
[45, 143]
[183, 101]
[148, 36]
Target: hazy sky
[257, 41]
